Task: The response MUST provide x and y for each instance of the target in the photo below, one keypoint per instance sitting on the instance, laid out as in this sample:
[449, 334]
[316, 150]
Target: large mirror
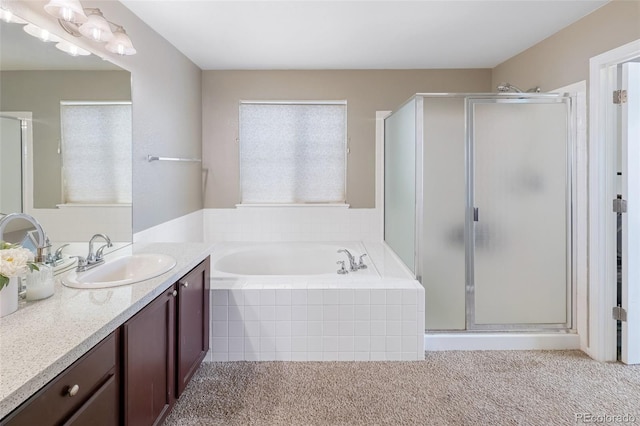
[65, 141]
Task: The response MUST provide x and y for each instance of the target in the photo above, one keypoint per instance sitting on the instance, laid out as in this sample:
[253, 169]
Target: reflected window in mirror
[96, 152]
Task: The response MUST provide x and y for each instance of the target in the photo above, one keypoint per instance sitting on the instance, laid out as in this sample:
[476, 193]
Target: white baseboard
[500, 341]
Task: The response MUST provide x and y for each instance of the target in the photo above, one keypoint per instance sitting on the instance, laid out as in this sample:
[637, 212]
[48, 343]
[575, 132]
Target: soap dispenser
[39, 282]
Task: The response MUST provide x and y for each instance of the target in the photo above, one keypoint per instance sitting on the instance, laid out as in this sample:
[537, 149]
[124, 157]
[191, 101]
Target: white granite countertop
[44, 337]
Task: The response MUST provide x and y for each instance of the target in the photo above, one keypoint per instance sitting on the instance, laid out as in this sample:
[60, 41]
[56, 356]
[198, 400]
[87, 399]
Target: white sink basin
[121, 271]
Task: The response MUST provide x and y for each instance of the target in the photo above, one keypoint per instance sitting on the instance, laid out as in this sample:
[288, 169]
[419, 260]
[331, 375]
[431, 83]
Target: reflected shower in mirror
[74, 139]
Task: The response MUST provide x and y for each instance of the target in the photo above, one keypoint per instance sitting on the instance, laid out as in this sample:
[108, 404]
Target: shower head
[508, 87]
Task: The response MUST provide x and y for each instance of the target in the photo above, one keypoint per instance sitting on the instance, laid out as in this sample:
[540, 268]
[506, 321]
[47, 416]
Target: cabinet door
[193, 323]
[149, 371]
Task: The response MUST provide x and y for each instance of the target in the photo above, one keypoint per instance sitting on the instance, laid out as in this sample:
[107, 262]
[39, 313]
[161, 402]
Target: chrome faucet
[56, 258]
[353, 266]
[97, 257]
[93, 259]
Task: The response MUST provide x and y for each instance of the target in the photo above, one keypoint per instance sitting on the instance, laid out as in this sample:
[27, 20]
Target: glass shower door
[518, 213]
[401, 131]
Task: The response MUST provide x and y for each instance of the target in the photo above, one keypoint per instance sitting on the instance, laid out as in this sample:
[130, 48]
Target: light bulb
[96, 34]
[67, 14]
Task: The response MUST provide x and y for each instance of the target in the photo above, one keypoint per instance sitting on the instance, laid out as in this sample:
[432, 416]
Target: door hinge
[619, 314]
[619, 205]
[619, 97]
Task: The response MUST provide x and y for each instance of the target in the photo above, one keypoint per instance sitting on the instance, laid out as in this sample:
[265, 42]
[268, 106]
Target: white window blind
[293, 152]
[96, 152]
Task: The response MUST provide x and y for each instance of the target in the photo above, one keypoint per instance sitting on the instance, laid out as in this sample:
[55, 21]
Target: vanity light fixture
[92, 24]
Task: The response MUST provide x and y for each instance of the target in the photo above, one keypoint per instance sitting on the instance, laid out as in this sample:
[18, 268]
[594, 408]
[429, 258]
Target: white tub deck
[372, 314]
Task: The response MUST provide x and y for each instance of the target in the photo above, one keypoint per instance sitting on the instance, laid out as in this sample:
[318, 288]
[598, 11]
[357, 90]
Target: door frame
[26, 154]
[601, 339]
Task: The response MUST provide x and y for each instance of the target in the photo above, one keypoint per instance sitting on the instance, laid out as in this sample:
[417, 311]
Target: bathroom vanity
[120, 355]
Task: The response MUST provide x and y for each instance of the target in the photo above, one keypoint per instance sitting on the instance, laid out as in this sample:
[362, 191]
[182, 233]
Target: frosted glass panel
[96, 153]
[400, 182]
[10, 166]
[443, 246]
[293, 153]
[520, 190]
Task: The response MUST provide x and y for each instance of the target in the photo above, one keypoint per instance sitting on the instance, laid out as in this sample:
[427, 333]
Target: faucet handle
[99, 254]
[342, 269]
[58, 254]
[361, 264]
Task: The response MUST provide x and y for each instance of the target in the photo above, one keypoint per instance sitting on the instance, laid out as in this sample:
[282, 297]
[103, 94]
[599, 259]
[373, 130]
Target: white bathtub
[290, 259]
[286, 301]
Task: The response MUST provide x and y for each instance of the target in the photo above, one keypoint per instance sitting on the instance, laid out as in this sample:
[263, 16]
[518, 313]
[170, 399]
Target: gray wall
[365, 91]
[41, 92]
[167, 111]
[563, 58]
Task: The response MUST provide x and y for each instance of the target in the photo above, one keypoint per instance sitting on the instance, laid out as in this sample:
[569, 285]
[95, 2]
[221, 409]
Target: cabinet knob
[174, 293]
[73, 390]
[185, 284]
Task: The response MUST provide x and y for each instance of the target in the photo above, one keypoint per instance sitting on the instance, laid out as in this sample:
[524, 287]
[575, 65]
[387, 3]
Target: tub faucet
[353, 266]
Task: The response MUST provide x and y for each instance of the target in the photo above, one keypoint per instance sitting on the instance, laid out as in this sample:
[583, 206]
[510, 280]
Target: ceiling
[356, 34]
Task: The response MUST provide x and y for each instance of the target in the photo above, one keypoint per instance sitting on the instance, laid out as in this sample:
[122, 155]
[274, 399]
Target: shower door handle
[475, 214]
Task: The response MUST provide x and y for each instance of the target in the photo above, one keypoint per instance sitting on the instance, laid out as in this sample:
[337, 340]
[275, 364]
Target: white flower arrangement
[14, 261]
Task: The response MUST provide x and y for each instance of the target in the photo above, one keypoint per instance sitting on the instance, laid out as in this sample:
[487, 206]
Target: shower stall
[478, 198]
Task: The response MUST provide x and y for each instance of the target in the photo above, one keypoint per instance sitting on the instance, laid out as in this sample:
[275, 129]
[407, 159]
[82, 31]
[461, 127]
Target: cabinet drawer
[53, 404]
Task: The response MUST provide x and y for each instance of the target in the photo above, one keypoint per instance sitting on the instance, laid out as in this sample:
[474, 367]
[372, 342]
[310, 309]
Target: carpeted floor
[448, 388]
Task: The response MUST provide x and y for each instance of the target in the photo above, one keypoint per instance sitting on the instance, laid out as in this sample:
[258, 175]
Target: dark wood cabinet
[86, 393]
[134, 376]
[193, 323]
[149, 363]
[163, 345]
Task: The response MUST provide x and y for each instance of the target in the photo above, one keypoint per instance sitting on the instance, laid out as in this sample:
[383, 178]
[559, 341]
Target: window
[96, 152]
[293, 152]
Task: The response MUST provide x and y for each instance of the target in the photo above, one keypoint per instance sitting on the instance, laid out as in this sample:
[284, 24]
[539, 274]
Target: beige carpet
[448, 388]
